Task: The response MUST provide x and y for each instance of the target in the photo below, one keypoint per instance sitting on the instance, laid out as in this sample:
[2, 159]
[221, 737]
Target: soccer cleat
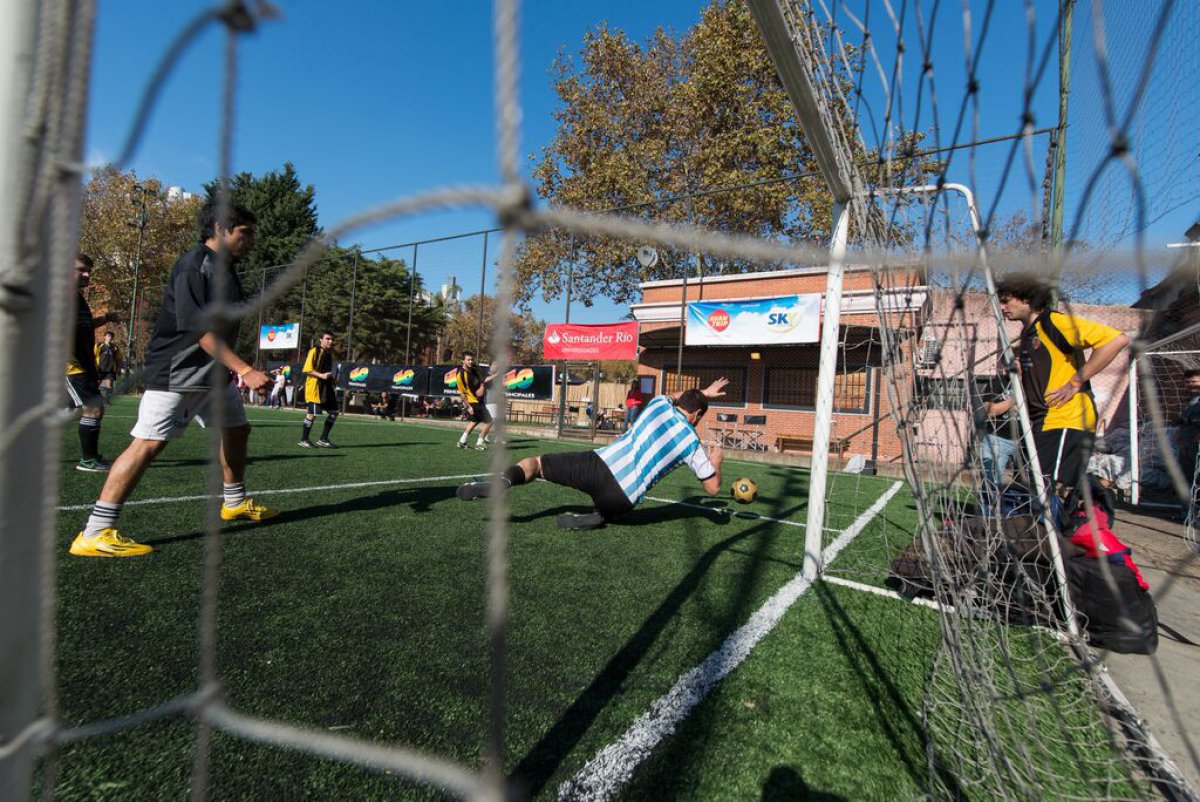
[481, 447]
[462, 444]
[98, 465]
[473, 490]
[572, 522]
[323, 443]
[109, 543]
[249, 511]
[305, 444]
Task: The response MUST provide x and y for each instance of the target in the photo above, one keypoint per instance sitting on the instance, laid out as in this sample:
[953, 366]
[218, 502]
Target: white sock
[463, 439]
[235, 493]
[104, 516]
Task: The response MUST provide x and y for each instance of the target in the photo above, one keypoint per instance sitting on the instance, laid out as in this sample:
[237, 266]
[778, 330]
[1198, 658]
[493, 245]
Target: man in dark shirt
[188, 353]
[472, 389]
[83, 378]
[108, 362]
[1189, 428]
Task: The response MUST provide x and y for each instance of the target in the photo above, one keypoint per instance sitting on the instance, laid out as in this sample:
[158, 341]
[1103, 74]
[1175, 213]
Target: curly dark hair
[1028, 287]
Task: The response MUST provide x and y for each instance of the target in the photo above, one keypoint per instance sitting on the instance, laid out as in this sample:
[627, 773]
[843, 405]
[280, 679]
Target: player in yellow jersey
[472, 389]
[83, 377]
[319, 392]
[1055, 374]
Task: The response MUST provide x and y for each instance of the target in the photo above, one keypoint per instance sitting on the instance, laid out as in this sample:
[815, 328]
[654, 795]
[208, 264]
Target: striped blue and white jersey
[659, 440]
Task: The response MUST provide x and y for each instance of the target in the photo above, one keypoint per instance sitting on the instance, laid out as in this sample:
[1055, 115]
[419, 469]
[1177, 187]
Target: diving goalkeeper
[618, 475]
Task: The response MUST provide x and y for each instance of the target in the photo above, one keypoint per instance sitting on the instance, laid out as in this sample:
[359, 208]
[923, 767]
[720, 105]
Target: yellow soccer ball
[744, 490]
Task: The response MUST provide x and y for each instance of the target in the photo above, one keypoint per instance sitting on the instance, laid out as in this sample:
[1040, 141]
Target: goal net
[921, 121]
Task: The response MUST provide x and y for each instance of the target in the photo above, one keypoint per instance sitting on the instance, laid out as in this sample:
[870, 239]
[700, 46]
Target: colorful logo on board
[718, 320]
[403, 378]
[286, 370]
[782, 320]
[518, 379]
[451, 378]
[270, 335]
[359, 374]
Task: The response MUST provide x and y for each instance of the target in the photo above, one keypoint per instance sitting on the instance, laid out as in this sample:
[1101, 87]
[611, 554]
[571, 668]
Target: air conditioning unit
[931, 351]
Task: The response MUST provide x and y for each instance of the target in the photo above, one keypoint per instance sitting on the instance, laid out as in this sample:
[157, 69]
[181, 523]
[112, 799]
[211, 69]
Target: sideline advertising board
[767, 321]
[279, 336]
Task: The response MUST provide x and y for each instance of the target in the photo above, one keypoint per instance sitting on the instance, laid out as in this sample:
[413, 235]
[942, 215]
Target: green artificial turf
[361, 611]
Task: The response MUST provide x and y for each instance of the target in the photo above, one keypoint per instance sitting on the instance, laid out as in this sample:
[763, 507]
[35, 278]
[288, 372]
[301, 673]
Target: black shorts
[1063, 455]
[585, 471]
[479, 413]
[316, 408]
[84, 389]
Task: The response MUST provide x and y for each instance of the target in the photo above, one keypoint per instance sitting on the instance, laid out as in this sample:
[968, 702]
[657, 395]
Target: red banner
[590, 342]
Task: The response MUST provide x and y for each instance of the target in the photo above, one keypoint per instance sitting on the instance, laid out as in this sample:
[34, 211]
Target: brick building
[779, 381]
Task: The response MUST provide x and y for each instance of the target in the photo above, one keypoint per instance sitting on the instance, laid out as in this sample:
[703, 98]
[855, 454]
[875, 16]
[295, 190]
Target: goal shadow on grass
[544, 759]
[419, 499]
[899, 723]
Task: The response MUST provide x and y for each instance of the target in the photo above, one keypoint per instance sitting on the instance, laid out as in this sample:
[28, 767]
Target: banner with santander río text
[590, 342]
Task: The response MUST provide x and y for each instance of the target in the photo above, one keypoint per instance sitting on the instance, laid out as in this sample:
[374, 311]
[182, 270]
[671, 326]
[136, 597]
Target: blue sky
[377, 100]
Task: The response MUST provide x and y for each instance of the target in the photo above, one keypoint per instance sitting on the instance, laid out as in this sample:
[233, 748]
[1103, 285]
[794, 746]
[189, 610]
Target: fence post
[566, 374]
[482, 294]
[350, 326]
[412, 278]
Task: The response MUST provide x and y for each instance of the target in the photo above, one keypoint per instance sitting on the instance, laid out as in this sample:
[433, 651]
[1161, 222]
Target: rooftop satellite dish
[647, 256]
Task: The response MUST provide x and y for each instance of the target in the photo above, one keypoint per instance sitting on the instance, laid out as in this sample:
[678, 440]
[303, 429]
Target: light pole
[649, 257]
[139, 222]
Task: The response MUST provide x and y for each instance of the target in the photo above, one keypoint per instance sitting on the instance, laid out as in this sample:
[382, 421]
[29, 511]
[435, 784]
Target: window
[700, 377]
[797, 387]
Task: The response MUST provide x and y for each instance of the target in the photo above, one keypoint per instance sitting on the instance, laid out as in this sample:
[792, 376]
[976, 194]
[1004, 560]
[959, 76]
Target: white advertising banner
[283, 335]
[767, 321]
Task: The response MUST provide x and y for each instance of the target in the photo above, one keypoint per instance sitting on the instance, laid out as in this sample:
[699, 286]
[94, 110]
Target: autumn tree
[119, 208]
[641, 124]
[465, 333]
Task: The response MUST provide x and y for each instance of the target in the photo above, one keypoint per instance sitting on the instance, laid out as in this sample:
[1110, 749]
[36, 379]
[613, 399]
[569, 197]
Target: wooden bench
[787, 442]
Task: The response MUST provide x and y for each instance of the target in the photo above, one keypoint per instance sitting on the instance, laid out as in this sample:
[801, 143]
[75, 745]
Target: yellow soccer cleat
[249, 511]
[109, 543]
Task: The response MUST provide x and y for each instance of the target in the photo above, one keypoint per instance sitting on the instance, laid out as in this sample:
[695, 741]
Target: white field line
[613, 765]
[890, 594]
[283, 490]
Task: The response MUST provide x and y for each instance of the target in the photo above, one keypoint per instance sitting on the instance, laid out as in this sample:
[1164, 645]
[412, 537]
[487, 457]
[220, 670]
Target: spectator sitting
[385, 408]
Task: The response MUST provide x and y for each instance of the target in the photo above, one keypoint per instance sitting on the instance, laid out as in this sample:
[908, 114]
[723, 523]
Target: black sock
[89, 438]
[329, 421]
[307, 428]
[515, 475]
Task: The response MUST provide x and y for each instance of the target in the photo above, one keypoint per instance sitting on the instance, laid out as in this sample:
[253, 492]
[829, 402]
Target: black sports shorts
[585, 471]
[84, 389]
[479, 413]
[1063, 454]
[316, 408]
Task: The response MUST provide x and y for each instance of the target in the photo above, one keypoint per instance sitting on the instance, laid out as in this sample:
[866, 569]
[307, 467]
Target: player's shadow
[784, 784]
[899, 723]
[190, 461]
[418, 499]
[640, 516]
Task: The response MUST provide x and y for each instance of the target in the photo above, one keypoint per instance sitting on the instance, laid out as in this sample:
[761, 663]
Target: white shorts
[164, 415]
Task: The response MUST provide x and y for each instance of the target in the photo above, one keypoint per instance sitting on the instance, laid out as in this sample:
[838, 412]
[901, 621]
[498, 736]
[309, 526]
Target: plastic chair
[753, 438]
[727, 434]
